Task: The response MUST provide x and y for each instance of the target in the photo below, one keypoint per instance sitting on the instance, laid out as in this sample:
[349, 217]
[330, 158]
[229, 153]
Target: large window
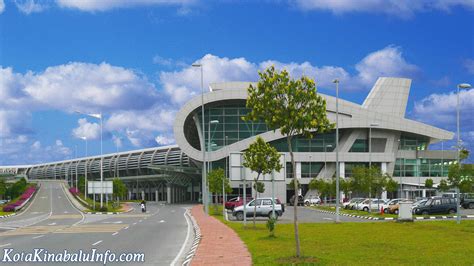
[413, 142]
[422, 167]
[325, 142]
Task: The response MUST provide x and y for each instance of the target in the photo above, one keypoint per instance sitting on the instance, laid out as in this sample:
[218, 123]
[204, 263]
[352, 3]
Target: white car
[312, 200]
[373, 204]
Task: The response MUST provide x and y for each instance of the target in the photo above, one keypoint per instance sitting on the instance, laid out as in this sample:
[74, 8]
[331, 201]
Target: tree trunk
[295, 203]
[255, 201]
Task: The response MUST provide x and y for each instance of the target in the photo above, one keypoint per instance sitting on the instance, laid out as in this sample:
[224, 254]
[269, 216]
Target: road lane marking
[126, 228]
[36, 237]
[173, 263]
[140, 221]
[115, 233]
[134, 223]
[98, 242]
[6, 245]
[66, 212]
[52, 224]
[162, 221]
[327, 218]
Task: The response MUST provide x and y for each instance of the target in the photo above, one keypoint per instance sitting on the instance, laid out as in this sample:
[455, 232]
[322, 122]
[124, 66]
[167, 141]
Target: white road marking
[66, 212]
[115, 233]
[126, 228]
[98, 242]
[162, 221]
[6, 245]
[327, 218]
[185, 241]
[140, 221]
[43, 197]
[36, 237]
[52, 224]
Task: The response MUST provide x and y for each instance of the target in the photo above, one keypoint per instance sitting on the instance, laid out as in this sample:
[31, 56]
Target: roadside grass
[4, 213]
[387, 243]
[355, 212]
[90, 204]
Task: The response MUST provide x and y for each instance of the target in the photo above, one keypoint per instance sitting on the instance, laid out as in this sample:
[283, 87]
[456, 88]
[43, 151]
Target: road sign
[94, 187]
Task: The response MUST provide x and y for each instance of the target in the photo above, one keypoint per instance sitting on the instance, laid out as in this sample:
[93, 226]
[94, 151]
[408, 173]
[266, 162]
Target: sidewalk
[219, 245]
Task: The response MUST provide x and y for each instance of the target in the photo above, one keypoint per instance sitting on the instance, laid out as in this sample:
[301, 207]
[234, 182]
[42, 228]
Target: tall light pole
[225, 177]
[460, 86]
[370, 162]
[337, 149]
[99, 116]
[85, 170]
[203, 147]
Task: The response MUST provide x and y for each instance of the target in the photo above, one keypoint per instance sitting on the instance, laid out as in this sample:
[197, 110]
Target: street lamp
[336, 81]
[370, 161]
[203, 147]
[99, 116]
[85, 170]
[460, 86]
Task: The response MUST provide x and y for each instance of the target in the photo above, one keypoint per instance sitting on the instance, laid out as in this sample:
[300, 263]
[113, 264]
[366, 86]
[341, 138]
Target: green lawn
[387, 243]
[356, 212]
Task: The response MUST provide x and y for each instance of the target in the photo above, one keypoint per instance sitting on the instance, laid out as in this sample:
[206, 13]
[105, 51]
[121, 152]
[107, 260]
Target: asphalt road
[52, 223]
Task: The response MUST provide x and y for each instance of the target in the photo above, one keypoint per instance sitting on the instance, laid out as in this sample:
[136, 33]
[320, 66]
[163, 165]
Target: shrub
[103, 209]
[271, 225]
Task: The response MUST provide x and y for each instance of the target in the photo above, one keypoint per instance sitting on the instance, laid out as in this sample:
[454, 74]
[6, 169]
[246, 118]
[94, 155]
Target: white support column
[156, 195]
[424, 193]
[342, 170]
[383, 168]
[143, 195]
[168, 194]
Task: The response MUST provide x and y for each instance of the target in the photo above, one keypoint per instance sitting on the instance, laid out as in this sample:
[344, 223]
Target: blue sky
[132, 61]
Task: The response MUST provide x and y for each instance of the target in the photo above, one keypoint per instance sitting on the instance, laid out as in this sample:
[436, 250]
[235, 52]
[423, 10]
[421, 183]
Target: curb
[8, 215]
[395, 219]
[197, 240]
[98, 213]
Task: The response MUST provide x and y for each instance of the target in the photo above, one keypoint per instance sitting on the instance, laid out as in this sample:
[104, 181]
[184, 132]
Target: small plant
[271, 225]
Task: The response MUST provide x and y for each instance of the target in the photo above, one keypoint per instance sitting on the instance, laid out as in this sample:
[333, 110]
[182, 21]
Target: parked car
[347, 205]
[312, 200]
[355, 204]
[394, 209]
[235, 202]
[467, 202]
[437, 205]
[373, 204]
[419, 203]
[389, 203]
[264, 208]
[3, 202]
[300, 200]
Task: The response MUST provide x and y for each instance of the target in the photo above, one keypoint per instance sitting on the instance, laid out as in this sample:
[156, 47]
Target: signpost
[94, 187]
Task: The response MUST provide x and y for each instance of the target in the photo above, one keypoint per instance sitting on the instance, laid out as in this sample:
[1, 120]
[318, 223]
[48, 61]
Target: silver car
[264, 209]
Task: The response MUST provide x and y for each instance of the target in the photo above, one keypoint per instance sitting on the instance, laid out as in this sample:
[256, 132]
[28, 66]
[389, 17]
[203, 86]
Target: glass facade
[360, 145]
[413, 143]
[422, 167]
[227, 126]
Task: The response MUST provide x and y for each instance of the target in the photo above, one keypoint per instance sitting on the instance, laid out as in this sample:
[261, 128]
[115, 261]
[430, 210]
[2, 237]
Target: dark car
[467, 201]
[300, 200]
[437, 205]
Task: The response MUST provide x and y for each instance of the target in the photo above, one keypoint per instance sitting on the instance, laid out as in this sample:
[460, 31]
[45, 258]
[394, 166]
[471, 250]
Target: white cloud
[164, 140]
[386, 62]
[441, 109]
[469, 65]
[117, 141]
[168, 62]
[185, 83]
[2, 6]
[29, 6]
[36, 145]
[397, 8]
[104, 5]
[85, 129]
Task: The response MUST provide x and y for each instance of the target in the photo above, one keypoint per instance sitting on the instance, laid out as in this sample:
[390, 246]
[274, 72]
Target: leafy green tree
[291, 106]
[119, 188]
[261, 158]
[215, 178]
[81, 183]
[346, 186]
[391, 186]
[429, 183]
[443, 185]
[458, 173]
[322, 186]
[3, 188]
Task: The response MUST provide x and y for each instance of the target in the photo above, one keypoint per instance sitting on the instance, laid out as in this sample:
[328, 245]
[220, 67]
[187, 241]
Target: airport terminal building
[399, 146]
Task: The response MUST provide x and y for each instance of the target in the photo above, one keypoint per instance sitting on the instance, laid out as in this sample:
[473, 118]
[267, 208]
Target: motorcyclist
[143, 206]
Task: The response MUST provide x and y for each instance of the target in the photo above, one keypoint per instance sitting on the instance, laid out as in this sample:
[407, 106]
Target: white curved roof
[385, 106]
